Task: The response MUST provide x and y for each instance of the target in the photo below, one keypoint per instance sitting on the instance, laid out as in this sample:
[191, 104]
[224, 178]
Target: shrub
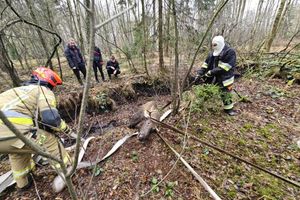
[204, 98]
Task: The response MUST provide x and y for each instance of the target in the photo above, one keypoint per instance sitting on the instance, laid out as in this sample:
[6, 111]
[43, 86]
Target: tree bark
[175, 92]
[78, 19]
[274, 30]
[160, 37]
[145, 38]
[6, 65]
[43, 42]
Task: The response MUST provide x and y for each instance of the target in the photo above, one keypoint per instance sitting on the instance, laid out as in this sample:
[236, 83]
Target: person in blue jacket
[75, 59]
[219, 69]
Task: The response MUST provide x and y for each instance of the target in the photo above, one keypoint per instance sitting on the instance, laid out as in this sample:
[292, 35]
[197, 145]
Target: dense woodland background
[160, 44]
[248, 26]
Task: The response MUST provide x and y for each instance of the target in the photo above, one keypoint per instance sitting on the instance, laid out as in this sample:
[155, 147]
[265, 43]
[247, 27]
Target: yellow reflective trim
[21, 173]
[224, 66]
[66, 159]
[204, 65]
[63, 125]
[227, 107]
[228, 81]
[42, 139]
[19, 120]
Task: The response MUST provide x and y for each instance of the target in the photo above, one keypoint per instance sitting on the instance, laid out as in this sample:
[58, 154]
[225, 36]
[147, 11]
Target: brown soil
[264, 132]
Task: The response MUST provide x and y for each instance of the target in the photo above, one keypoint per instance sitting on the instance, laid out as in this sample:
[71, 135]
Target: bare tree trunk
[274, 30]
[160, 37]
[167, 43]
[6, 65]
[257, 22]
[19, 57]
[91, 23]
[154, 24]
[145, 37]
[73, 22]
[43, 42]
[175, 92]
[87, 3]
[78, 19]
[106, 32]
[111, 25]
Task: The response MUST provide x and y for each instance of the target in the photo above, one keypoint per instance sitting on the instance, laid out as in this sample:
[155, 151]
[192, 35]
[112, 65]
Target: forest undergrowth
[265, 133]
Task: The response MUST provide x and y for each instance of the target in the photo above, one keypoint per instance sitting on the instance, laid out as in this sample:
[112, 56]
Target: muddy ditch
[104, 99]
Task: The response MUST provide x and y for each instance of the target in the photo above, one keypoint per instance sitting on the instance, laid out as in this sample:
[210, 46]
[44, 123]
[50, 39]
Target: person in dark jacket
[112, 67]
[75, 60]
[218, 68]
[97, 64]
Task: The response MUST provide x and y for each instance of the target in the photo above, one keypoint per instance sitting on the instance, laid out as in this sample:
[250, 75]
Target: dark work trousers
[111, 71]
[80, 68]
[226, 96]
[97, 65]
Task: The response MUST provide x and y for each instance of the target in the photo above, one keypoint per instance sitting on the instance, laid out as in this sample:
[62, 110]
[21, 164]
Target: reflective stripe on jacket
[20, 105]
[222, 66]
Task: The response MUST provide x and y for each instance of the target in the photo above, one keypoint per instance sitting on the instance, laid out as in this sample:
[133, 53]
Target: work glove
[73, 67]
[208, 74]
[200, 72]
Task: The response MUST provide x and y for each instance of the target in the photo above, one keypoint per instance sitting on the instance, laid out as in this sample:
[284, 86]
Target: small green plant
[268, 130]
[170, 189]
[204, 98]
[97, 170]
[102, 100]
[134, 156]
[154, 184]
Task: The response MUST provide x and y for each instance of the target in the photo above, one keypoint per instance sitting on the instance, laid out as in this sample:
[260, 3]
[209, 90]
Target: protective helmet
[47, 75]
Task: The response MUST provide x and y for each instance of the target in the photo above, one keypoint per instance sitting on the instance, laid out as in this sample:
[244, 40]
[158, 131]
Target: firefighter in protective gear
[21, 105]
[218, 68]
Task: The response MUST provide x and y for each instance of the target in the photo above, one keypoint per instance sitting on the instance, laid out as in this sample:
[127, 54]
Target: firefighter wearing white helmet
[20, 106]
[219, 69]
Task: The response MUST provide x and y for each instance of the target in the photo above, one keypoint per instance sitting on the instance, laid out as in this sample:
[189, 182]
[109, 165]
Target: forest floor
[265, 132]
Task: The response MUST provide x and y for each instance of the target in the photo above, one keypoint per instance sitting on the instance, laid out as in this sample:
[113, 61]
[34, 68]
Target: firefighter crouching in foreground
[20, 106]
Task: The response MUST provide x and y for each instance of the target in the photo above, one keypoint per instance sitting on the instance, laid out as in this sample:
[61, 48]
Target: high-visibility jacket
[21, 105]
[222, 66]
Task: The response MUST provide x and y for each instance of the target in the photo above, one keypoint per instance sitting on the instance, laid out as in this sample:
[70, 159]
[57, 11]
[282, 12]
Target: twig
[86, 8]
[39, 27]
[174, 165]
[35, 187]
[196, 175]
[27, 141]
[93, 175]
[222, 4]
[114, 17]
[229, 154]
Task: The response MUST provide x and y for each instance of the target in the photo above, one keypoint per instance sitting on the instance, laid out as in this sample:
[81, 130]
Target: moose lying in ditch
[142, 118]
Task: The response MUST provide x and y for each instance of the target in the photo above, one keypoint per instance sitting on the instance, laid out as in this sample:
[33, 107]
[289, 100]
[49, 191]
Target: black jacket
[74, 57]
[222, 66]
[97, 55]
[113, 64]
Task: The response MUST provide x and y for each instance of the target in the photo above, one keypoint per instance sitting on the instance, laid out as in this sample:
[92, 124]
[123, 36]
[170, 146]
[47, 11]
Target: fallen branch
[294, 183]
[196, 175]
